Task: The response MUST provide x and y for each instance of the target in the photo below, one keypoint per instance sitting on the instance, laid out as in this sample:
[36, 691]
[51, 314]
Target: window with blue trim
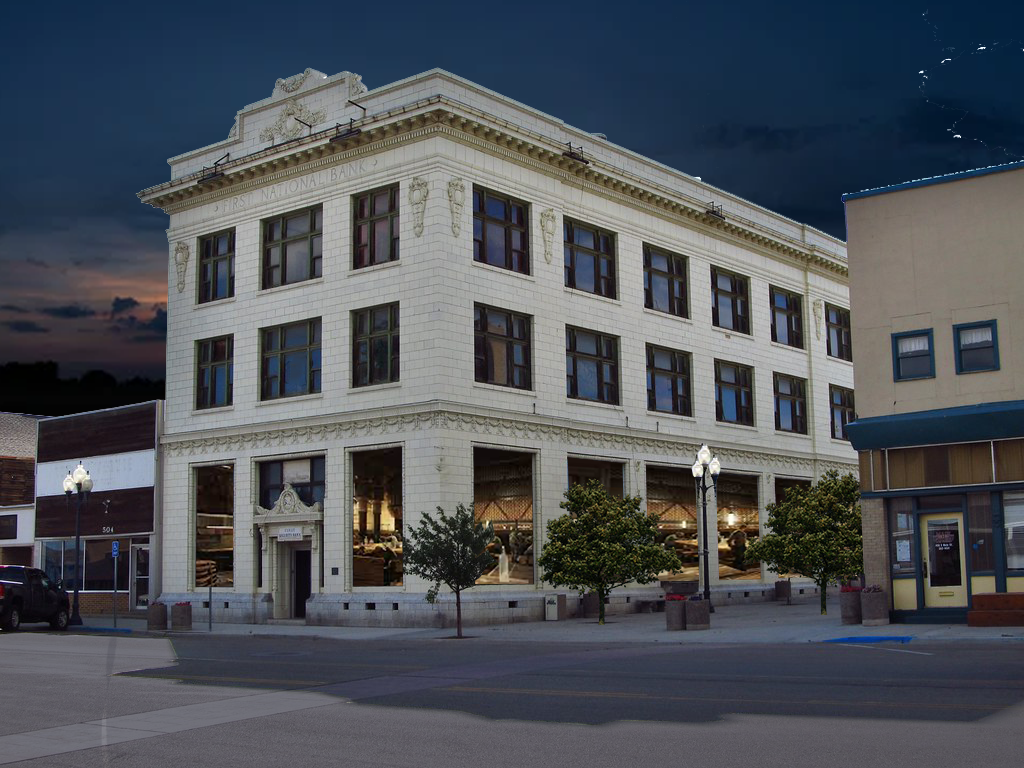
[913, 355]
[976, 347]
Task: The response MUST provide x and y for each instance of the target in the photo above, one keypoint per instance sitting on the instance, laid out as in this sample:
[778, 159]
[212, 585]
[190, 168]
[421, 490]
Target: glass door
[140, 575]
[942, 561]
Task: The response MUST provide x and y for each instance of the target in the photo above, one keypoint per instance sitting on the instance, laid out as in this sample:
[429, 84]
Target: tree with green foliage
[602, 543]
[449, 550]
[815, 532]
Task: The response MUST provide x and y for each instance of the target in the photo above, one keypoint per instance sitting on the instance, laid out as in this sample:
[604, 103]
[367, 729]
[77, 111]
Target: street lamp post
[705, 465]
[79, 481]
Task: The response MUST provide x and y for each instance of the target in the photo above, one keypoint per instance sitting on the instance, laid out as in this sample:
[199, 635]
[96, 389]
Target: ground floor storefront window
[377, 532]
[96, 564]
[503, 497]
[215, 526]
[738, 526]
[671, 494]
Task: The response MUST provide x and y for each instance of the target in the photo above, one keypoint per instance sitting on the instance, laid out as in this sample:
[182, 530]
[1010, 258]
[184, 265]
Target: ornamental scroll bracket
[456, 201]
[418, 193]
[547, 228]
[816, 308]
[181, 253]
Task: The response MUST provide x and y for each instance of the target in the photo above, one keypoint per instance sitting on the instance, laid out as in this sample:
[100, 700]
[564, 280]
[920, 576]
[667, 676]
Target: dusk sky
[787, 104]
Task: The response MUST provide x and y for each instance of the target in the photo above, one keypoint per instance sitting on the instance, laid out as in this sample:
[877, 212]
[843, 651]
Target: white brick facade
[438, 128]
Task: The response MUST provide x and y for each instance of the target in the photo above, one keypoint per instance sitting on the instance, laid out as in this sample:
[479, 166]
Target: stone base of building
[228, 608]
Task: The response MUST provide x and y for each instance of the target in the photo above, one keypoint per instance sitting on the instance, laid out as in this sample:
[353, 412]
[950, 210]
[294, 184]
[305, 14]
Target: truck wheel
[60, 621]
[13, 619]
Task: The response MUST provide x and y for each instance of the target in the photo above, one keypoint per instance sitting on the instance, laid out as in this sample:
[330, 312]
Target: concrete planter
[874, 608]
[181, 616]
[849, 607]
[675, 615]
[783, 590]
[156, 617]
[591, 606]
[698, 614]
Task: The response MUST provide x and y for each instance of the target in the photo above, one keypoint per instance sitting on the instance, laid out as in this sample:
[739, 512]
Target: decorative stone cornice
[289, 508]
[440, 115]
[526, 428]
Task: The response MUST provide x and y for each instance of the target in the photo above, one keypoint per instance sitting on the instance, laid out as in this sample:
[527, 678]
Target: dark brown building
[17, 484]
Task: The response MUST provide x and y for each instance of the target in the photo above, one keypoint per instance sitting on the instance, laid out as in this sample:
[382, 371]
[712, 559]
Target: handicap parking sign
[116, 550]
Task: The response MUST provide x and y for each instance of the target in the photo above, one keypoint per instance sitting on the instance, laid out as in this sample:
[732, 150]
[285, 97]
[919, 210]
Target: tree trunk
[823, 589]
[600, 606]
[458, 612]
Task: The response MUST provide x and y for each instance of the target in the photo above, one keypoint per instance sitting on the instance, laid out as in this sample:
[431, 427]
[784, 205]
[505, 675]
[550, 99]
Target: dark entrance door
[302, 581]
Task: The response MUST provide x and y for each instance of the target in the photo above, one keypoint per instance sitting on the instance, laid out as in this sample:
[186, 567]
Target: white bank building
[385, 301]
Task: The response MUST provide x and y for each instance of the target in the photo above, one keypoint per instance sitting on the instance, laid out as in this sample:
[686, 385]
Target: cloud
[120, 305]
[763, 138]
[12, 308]
[36, 262]
[24, 326]
[143, 331]
[68, 312]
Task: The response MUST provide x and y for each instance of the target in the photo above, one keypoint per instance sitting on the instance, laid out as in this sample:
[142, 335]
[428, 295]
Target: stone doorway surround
[290, 524]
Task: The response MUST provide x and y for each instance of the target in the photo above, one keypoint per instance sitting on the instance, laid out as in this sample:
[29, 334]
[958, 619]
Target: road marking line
[890, 650]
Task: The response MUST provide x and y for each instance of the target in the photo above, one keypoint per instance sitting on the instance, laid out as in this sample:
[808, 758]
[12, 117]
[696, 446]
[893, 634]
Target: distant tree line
[37, 389]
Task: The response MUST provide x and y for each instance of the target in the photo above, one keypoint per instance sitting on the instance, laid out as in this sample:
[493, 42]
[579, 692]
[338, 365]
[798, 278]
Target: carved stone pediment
[288, 509]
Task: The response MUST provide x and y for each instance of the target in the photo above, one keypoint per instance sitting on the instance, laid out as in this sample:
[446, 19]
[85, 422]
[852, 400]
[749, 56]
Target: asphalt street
[249, 700]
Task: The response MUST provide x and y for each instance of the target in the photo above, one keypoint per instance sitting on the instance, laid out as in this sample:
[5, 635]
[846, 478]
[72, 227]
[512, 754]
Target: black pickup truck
[28, 594]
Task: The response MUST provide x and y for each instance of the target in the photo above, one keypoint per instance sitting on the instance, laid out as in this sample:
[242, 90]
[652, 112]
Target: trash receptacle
[554, 607]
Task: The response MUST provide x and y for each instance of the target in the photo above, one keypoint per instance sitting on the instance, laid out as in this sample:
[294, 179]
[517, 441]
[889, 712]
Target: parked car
[28, 594]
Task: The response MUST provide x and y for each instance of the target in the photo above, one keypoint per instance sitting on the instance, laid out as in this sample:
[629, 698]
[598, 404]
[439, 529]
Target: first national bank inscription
[283, 189]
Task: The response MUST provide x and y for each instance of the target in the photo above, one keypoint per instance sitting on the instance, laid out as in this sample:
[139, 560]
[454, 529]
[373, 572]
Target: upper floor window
[913, 355]
[976, 346]
[730, 301]
[842, 410]
[787, 317]
[375, 227]
[837, 323]
[214, 372]
[291, 360]
[734, 393]
[790, 404]
[293, 247]
[500, 231]
[217, 266]
[375, 345]
[591, 366]
[307, 476]
[665, 281]
[502, 347]
[668, 381]
[589, 259]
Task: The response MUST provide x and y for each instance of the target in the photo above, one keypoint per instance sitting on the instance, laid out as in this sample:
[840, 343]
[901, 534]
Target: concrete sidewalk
[767, 622]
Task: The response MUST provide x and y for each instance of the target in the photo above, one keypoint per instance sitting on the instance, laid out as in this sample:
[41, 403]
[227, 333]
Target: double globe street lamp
[705, 465]
[79, 481]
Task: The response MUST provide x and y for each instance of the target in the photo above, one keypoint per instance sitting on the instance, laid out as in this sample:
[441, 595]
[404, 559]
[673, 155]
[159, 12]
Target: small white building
[426, 294]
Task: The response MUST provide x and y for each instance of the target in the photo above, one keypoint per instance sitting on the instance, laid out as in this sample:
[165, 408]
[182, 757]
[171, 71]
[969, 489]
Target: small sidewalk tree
[815, 532]
[449, 550]
[603, 543]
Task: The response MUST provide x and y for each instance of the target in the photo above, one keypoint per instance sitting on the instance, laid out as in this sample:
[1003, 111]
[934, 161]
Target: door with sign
[942, 561]
[140, 575]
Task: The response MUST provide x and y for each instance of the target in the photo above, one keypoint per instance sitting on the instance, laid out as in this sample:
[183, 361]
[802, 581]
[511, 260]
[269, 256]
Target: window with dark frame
[790, 404]
[842, 410]
[668, 381]
[913, 355]
[787, 317]
[501, 231]
[217, 266]
[730, 301]
[214, 368]
[502, 347]
[977, 347]
[589, 259]
[734, 393]
[665, 281]
[837, 323]
[306, 475]
[290, 360]
[591, 366]
[293, 247]
[375, 227]
[375, 345]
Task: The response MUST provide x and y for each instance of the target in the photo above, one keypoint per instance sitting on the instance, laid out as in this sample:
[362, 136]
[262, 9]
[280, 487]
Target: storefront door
[302, 582]
[942, 560]
[140, 575]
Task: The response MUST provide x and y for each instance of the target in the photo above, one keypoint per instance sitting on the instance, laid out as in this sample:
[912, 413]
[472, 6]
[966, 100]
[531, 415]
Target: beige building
[937, 320]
